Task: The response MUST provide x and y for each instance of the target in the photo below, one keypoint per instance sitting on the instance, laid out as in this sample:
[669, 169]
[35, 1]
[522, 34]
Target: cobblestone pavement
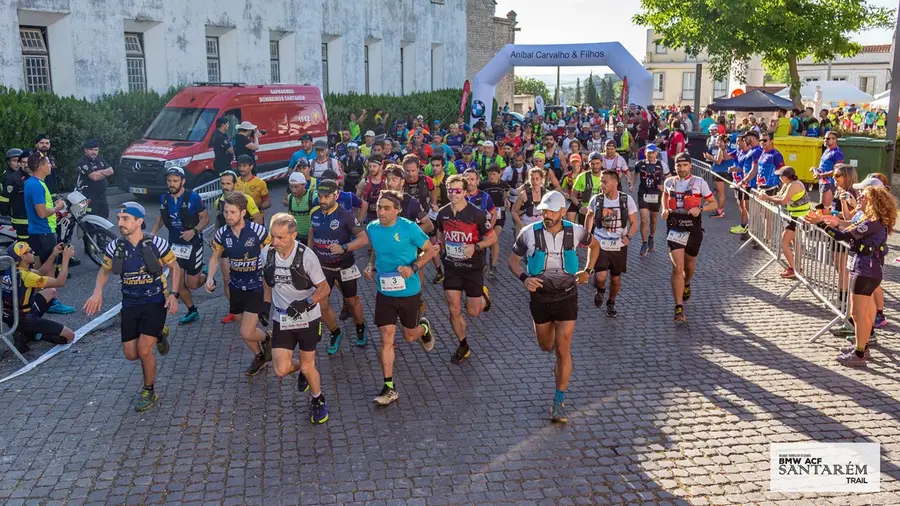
[658, 414]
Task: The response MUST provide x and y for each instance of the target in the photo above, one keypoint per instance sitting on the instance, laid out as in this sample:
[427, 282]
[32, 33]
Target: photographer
[246, 142]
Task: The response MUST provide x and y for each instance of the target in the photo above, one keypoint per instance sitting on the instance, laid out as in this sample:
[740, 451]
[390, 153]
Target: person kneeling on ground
[36, 292]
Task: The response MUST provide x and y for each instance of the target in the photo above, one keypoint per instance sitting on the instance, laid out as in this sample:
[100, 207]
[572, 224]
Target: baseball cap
[713, 128]
[133, 208]
[651, 148]
[297, 178]
[306, 137]
[620, 125]
[539, 154]
[609, 142]
[684, 156]
[869, 182]
[788, 171]
[420, 117]
[488, 144]
[329, 174]
[246, 159]
[352, 145]
[552, 201]
[574, 156]
[303, 162]
[594, 156]
[91, 144]
[467, 150]
[370, 133]
[17, 250]
[175, 171]
[327, 186]
[320, 144]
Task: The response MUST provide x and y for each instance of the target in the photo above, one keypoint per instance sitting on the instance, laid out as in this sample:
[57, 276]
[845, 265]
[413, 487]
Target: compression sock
[464, 343]
[360, 329]
[389, 382]
[335, 331]
[560, 396]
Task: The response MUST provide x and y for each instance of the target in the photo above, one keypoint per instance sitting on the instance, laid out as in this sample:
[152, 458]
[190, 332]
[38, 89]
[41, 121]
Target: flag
[467, 89]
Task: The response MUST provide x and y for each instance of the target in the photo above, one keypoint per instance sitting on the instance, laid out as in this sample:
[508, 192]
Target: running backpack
[149, 255]
[623, 210]
[299, 278]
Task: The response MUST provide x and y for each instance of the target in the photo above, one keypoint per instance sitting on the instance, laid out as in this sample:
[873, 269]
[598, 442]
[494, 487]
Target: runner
[139, 260]
[240, 243]
[551, 275]
[466, 231]
[650, 174]
[439, 178]
[295, 284]
[614, 160]
[396, 242]
[185, 216]
[612, 216]
[300, 200]
[525, 211]
[685, 198]
[568, 181]
[370, 188]
[587, 184]
[251, 185]
[334, 236]
[497, 190]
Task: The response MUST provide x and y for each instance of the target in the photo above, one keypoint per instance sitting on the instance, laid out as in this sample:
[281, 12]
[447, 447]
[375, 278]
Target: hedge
[117, 120]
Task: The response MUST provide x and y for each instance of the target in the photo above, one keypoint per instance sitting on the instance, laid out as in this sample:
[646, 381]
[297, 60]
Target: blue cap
[467, 150]
[133, 208]
[651, 148]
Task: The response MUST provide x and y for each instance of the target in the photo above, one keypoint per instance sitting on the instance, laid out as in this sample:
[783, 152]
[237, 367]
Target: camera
[260, 131]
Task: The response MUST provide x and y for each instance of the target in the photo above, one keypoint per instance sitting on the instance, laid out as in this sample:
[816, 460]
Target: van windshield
[181, 124]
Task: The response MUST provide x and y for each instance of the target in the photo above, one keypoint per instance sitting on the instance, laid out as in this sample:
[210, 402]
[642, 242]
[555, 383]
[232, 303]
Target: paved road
[658, 414]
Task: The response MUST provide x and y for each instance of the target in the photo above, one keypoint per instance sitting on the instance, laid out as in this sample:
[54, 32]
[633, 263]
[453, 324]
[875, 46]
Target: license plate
[137, 191]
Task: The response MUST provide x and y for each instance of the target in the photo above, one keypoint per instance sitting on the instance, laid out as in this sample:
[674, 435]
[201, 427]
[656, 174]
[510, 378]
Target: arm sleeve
[484, 224]
[108, 254]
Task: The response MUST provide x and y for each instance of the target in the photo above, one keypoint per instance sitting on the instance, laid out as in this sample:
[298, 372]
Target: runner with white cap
[551, 275]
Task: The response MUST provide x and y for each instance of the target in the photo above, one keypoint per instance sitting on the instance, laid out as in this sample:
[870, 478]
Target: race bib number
[678, 237]
[392, 282]
[285, 322]
[350, 273]
[851, 260]
[651, 198]
[182, 251]
[610, 244]
[432, 215]
[455, 250]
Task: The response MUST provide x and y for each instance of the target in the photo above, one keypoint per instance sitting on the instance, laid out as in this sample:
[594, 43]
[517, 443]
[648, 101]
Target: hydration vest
[623, 210]
[370, 194]
[188, 220]
[294, 204]
[537, 262]
[299, 278]
[799, 205]
[420, 192]
[588, 191]
[220, 213]
[149, 255]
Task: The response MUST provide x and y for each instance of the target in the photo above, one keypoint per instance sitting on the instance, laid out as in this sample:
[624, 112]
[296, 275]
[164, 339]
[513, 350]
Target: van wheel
[202, 179]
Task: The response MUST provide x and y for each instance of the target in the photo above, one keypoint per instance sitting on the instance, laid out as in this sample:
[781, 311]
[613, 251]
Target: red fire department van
[181, 133]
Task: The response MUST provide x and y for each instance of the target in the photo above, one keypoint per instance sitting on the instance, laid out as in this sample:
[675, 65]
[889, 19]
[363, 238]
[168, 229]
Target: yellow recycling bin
[801, 153]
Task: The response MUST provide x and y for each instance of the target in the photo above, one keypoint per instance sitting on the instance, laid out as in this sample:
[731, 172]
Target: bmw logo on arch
[478, 109]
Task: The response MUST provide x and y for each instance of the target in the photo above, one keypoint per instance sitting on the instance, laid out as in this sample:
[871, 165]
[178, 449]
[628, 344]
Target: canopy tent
[881, 103]
[830, 91]
[752, 101]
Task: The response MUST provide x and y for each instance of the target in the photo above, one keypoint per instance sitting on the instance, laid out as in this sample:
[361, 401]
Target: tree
[782, 32]
[607, 93]
[777, 74]
[590, 93]
[531, 86]
[577, 92]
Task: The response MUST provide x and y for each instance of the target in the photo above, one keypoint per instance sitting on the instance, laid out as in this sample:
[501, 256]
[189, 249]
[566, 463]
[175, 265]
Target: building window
[658, 83]
[811, 79]
[839, 78]
[274, 64]
[402, 72]
[35, 59]
[439, 2]
[213, 70]
[366, 65]
[324, 68]
[867, 84]
[660, 49]
[687, 85]
[134, 61]
[720, 89]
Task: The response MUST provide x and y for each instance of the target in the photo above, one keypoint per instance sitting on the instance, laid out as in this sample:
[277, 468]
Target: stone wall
[487, 34]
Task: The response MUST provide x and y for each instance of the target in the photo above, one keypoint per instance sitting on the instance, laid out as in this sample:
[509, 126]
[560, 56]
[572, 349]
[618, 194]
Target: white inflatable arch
[610, 54]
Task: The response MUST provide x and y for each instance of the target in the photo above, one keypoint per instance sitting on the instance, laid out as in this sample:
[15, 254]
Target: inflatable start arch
[610, 54]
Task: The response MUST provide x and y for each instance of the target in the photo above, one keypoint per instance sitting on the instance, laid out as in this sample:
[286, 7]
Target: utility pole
[828, 72]
[894, 106]
[558, 91]
[697, 82]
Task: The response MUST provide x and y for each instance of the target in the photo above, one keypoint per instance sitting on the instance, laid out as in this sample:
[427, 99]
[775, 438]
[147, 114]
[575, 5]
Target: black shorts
[333, 277]
[863, 285]
[790, 225]
[389, 309]
[692, 248]
[192, 265]
[565, 310]
[147, 319]
[21, 231]
[724, 175]
[652, 207]
[573, 207]
[33, 322]
[306, 339]
[612, 261]
[770, 190]
[741, 195]
[501, 221]
[470, 281]
[246, 301]
[43, 245]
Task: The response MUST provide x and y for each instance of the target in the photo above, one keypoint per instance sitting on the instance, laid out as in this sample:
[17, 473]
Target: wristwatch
[591, 271]
[175, 294]
[344, 246]
[477, 247]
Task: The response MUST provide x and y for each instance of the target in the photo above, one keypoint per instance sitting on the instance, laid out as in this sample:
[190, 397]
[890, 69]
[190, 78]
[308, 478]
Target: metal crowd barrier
[212, 190]
[8, 265]
[819, 260]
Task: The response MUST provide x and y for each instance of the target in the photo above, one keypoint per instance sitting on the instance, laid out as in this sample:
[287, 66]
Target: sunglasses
[454, 191]
[838, 174]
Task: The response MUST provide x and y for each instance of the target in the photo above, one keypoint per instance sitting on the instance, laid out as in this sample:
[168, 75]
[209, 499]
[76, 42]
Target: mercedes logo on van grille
[137, 167]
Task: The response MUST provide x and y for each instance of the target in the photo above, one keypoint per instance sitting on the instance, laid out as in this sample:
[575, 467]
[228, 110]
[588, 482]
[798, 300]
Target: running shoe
[162, 344]
[335, 343]
[650, 246]
[611, 309]
[598, 299]
[318, 410]
[462, 353]
[844, 330]
[427, 336]
[264, 319]
[880, 320]
[644, 248]
[438, 278]
[687, 293]
[229, 318]
[788, 273]
[259, 361]
[190, 317]
[492, 271]
[851, 359]
[302, 384]
[558, 413]
[59, 308]
[487, 299]
[145, 400]
[850, 349]
[363, 339]
[387, 396]
[267, 347]
[738, 229]
[679, 314]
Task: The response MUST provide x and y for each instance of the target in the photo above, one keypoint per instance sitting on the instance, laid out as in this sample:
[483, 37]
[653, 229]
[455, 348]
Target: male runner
[240, 243]
[334, 235]
[251, 185]
[295, 284]
[685, 198]
[650, 174]
[551, 276]
[185, 215]
[498, 191]
[370, 188]
[588, 184]
[396, 242]
[465, 231]
[612, 216]
[140, 260]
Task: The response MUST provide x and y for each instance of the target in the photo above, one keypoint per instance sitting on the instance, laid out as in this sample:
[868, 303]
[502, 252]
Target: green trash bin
[868, 155]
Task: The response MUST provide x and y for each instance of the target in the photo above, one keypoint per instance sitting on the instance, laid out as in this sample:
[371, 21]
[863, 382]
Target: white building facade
[869, 70]
[88, 48]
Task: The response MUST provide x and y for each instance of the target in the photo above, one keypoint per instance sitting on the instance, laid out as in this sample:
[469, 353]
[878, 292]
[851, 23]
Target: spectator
[353, 126]
[223, 149]
[323, 161]
[366, 149]
[42, 147]
[251, 185]
[244, 144]
[92, 174]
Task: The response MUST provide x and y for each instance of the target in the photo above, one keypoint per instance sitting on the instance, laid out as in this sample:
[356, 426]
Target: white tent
[830, 91]
[881, 103]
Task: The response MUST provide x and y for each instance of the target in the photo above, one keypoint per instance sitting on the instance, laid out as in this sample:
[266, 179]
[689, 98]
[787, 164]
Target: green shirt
[580, 184]
[354, 130]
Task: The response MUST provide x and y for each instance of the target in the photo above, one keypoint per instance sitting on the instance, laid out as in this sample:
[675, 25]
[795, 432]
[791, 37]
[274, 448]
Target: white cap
[488, 143]
[713, 128]
[297, 178]
[552, 201]
[246, 125]
[869, 182]
[561, 123]
[420, 117]
[370, 133]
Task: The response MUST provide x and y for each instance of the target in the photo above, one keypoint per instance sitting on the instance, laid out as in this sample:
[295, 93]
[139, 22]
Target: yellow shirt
[784, 127]
[255, 188]
[252, 208]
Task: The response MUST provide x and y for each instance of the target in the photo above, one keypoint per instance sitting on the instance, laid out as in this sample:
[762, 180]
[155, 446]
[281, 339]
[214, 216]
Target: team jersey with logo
[28, 284]
[139, 286]
[243, 254]
[336, 227]
[651, 176]
[396, 246]
[457, 230]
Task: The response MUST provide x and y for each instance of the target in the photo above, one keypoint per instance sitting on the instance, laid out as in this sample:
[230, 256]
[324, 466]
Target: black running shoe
[598, 300]
[462, 353]
[611, 309]
[302, 385]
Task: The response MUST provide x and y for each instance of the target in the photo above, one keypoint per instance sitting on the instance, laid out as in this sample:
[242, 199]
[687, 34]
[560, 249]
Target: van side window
[234, 119]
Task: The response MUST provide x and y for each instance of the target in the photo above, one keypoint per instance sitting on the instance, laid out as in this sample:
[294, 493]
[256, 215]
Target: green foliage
[590, 92]
[531, 86]
[442, 105]
[578, 91]
[781, 31]
[778, 73]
